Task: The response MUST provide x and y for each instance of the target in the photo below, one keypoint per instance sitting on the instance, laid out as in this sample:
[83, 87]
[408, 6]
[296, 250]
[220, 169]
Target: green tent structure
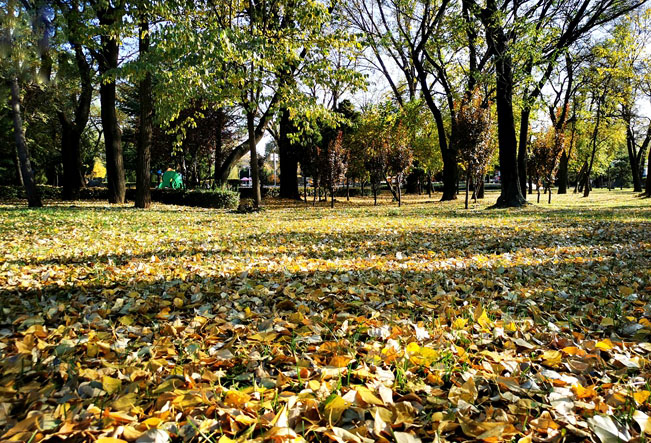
[171, 179]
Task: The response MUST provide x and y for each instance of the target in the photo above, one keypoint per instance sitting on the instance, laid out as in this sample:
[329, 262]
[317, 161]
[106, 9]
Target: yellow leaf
[236, 399]
[110, 384]
[126, 320]
[641, 396]
[110, 440]
[335, 408]
[152, 422]
[412, 348]
[178, 302]
[367, 396]
[484, 321]
[582, 392]
[459, 323]
[605, 345]
[339, 361]
[551, 358]
[607, 321]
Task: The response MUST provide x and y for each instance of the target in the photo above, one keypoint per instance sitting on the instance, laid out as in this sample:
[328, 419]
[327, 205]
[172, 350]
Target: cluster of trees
[529, 85]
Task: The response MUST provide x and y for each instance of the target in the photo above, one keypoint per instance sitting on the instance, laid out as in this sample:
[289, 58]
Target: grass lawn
[360, 323]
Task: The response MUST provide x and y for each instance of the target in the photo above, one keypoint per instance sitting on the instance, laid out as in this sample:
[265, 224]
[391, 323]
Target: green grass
[270, 303]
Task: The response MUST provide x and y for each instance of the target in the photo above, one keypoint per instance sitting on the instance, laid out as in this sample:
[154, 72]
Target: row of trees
[198, 84]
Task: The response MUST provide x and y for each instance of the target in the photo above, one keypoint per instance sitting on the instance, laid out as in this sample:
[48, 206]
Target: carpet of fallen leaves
[362, 323]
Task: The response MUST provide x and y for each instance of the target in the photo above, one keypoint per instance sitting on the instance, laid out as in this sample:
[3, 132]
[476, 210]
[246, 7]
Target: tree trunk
[219, 146]
[467, 188]
[632, 158]
[399, 190]
[347, 188]
[522, 148]
[332, 196]
[538, 192]
[33, 197]
[71, 131]
[143, 166]
[648, 176]
[481, 190]
[255, 175]
[18, 179]
[549, 199]
[429, 185]
[73, 177]
[108, 62]
[511, 193]
[288, 158]
[450, 175]
[563, 173]
[305, 188]
[595, 133]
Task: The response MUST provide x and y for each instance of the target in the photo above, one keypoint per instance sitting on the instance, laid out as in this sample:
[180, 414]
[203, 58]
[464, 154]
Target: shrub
[218, 198]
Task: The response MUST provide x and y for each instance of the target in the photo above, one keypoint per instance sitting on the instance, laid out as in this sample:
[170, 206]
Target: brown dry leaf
[466, 392]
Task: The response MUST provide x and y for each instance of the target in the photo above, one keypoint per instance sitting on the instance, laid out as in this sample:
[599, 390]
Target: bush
[95, 193]
[218, 198]
[9, 192]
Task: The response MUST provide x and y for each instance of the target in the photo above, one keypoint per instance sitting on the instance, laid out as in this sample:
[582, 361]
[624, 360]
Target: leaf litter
[361, 324]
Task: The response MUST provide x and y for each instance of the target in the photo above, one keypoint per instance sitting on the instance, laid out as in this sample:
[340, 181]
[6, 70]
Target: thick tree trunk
[33, 197]
[255, 174]
[522, 149]
[563, 173]
[143, 167]
[71, 131]
[288, 158]
[73, 176]
[429, 185]
[632, 158]
[467, 188]
[108, 62]
[648, 176]
[511, 195]
[219, 146]
[18, 179]
[450, 175]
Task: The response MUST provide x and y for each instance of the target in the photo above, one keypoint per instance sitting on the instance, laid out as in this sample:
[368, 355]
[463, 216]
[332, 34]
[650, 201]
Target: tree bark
[255, 174]
[73, 177]
[108, 63]
[647, 192]
[563, 173]
[143, 167]
[511, 194]
[219, 147]
[288, 158]
[522, 148]
[33, 197]
[71, 131]
[632, 157]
